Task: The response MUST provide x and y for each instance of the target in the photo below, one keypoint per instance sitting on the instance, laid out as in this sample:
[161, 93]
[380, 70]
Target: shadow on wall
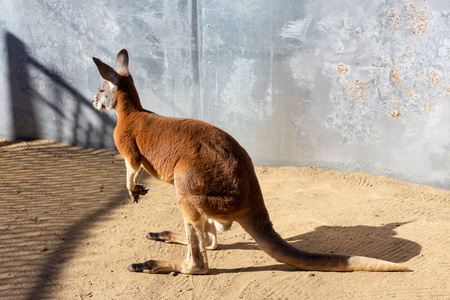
[61, 112]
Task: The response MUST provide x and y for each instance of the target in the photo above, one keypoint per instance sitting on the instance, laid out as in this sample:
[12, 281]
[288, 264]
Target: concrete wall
[346, 85]
[49, 78]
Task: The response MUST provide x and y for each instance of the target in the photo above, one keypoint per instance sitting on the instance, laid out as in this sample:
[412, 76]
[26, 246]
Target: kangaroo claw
[140, 189]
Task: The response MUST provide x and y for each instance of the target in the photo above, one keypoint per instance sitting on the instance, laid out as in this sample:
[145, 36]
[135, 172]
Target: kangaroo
[214, 179]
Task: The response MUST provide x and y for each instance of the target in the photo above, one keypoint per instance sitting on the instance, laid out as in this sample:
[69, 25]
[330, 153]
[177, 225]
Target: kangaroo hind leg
[196, 260]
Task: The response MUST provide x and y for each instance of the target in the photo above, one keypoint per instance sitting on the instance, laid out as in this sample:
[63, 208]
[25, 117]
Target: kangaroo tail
[270, 242]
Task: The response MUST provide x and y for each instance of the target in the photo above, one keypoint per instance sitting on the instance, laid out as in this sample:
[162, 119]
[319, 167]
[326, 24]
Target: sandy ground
[68, 231]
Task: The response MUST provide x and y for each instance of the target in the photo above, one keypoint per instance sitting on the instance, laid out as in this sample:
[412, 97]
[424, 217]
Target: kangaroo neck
[127, 102]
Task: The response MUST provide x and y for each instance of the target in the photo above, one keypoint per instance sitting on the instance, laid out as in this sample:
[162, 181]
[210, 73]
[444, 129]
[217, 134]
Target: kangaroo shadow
[372, 241]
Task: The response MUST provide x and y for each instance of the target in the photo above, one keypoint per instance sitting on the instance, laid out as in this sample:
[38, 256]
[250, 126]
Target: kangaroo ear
[122, 62]
[106, 71]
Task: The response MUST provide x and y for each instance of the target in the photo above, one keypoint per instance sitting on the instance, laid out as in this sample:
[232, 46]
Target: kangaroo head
[105, 98]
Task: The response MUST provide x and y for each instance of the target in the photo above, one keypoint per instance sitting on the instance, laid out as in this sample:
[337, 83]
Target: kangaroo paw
[140, 189]
[134, 197]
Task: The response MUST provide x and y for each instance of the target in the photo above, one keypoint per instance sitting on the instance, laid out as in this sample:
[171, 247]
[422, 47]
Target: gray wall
[346, 85]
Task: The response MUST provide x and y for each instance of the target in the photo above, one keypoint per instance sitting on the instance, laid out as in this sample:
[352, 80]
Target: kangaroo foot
[150, 267]
[139, 268]
[168, 237]
[158, 266]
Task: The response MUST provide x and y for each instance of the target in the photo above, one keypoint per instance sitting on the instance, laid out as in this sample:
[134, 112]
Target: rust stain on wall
[447, 91]
[412, 17]
[420, 20]
[343, 69]
[395, 110]
[357, 87]
[395, 19]
[409, 92]
[435, 78]
[395, 76]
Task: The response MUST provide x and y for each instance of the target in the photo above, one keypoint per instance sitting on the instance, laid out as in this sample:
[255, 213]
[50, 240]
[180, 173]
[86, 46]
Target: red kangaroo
[214, 179]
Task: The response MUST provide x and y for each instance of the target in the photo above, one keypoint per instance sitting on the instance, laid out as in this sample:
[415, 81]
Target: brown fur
[214, 179]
